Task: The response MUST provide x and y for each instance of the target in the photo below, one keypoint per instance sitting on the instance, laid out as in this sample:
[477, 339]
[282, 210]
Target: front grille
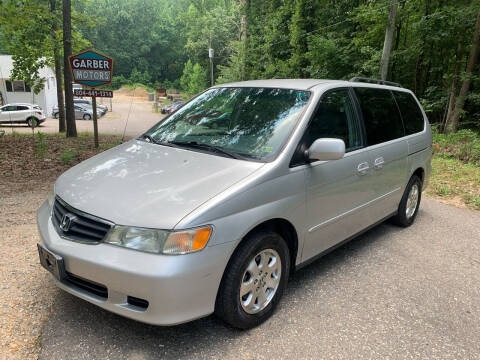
[76, 225]
[86, 285]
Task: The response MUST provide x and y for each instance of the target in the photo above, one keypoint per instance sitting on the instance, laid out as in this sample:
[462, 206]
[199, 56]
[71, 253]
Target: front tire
[87, 117]
[410, 203]
[254, 280]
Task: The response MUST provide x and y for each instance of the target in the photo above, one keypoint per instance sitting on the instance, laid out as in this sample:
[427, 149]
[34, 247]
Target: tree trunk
[67, 75]
[454, 85]
[387, 45]
[471, 63]
[243, 35]
[58, 69]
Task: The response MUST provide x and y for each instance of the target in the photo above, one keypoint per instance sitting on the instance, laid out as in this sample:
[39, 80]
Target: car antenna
[128, 116]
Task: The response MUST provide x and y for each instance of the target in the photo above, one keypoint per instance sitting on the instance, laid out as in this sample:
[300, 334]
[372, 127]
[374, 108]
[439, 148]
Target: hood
[148, 185]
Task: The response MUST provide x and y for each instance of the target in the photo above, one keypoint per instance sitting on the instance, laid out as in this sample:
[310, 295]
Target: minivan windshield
[250, 122]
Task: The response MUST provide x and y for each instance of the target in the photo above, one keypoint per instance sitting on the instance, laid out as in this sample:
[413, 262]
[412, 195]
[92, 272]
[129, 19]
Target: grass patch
[455, 181]
[138, 85]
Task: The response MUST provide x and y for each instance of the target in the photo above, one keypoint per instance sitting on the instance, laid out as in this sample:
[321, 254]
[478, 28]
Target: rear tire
[87, 117]
[32, 122]
[56, 116]
[410, 203]
[259, 270]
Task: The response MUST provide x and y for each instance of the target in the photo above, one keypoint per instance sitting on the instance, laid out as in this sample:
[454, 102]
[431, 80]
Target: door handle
[362, 168]
[378, 163]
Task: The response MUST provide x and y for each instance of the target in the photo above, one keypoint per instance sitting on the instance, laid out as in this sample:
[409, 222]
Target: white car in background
[19, 113]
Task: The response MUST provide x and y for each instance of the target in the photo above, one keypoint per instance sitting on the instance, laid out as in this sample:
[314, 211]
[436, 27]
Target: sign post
[92, 69]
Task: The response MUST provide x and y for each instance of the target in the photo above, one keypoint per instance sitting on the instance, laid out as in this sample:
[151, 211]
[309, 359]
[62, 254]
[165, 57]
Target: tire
[87, 117]
[407, 210]
[56, 115]
[32, 122]
[249, 311]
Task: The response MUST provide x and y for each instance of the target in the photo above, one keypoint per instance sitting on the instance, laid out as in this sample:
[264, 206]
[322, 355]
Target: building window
[17, 86]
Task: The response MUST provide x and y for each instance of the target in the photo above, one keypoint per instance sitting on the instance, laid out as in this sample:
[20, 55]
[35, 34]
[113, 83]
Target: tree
[67, 75]
[387, 45]
[452, 121]
[58, 68]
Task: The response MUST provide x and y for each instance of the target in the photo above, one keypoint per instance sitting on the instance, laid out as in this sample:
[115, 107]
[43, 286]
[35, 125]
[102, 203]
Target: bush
[67, 157]
[463, 145]
[118, 82]
[41, 145]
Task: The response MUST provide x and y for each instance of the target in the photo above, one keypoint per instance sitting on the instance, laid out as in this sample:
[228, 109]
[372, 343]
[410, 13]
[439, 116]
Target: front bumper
[178, 288]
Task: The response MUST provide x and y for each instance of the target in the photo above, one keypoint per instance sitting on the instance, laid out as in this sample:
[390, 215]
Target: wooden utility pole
[387, 45]
[95, 121]
[452, 120]
[58, 68]
[67, 75]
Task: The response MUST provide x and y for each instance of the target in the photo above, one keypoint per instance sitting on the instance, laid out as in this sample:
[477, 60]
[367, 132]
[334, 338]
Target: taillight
[38, 112]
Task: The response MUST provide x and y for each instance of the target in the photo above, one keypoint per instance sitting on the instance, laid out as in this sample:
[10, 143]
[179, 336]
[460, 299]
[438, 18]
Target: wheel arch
[282, 227]
[420, 172]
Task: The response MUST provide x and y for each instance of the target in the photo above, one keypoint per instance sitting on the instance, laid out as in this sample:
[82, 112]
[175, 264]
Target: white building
[18, 92]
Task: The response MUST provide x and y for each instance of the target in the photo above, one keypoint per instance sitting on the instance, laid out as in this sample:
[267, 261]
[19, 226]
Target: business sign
[91, 68]
[96, 93]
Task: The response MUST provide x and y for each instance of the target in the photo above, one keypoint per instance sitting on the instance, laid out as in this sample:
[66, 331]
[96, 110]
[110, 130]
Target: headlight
[159, 241]
[51, 197]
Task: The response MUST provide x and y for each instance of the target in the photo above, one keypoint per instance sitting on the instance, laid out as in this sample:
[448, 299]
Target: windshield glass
[253, 122]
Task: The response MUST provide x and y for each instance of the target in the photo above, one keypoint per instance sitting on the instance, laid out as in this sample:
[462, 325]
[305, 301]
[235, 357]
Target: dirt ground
[132, 113]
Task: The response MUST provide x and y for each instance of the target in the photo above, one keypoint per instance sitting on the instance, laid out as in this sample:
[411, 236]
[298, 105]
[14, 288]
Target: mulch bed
[27, 162]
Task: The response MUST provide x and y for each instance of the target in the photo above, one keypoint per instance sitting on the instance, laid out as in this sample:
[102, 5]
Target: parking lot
[131, 114]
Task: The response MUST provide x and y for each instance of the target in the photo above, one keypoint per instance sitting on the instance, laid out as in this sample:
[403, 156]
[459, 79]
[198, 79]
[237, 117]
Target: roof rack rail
[374, 81]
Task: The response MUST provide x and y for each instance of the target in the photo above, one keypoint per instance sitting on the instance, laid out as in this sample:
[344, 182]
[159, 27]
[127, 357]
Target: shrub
[463, 145]
[67, 157]
[41, 145]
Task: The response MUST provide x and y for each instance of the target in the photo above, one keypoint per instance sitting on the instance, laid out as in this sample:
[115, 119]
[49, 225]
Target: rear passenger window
[380, 114]
[411, 114]
[335, 118]
[22, 108]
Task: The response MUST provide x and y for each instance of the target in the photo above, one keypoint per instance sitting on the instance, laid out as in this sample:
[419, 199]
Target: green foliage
[118, 82]
[67, 157]
[463, 145]
[194, 78]
[29, 38]
[41, 145]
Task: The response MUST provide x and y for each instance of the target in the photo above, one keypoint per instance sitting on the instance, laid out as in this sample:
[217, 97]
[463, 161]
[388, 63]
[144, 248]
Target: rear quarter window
[380, 115]
[411, 114]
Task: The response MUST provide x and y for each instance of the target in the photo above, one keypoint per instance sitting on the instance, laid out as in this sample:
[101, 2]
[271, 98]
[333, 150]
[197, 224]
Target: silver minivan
[211, 209]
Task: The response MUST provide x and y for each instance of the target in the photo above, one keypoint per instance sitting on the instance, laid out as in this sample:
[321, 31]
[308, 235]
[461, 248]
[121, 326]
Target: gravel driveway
[391, 293]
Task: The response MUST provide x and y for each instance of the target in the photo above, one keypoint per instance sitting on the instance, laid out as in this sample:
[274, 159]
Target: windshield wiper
[152, 140]
[212, 148]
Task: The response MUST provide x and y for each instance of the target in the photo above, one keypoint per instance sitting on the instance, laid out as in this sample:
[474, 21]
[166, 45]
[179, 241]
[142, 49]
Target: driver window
[335, 118]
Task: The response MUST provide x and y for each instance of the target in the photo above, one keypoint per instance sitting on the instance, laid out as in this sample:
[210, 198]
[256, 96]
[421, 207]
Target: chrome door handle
[362, 168]
[378, 163]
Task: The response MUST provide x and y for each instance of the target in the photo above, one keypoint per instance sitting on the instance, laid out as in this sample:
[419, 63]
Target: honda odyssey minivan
[211, 209]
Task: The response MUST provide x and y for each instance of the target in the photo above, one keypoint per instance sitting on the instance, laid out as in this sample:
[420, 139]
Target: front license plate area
[51, 262]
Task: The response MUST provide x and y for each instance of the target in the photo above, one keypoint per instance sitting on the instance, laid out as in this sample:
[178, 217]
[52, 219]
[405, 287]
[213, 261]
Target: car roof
[24, 104]
[306, 84]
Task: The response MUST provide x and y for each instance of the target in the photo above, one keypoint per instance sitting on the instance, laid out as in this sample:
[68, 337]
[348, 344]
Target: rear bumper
[178, 288]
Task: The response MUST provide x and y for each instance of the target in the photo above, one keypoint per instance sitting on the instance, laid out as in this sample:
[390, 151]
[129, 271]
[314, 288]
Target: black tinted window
[411, 114]
[22, 108]
[8, 85]
[335, 118]
[380, 114]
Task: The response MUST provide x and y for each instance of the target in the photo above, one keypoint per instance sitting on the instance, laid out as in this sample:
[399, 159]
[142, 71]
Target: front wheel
[408, 207]
[86, 117]
[254, 280]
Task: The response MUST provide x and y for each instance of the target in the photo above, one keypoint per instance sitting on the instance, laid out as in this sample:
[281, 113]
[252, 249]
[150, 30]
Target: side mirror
[326, 149]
